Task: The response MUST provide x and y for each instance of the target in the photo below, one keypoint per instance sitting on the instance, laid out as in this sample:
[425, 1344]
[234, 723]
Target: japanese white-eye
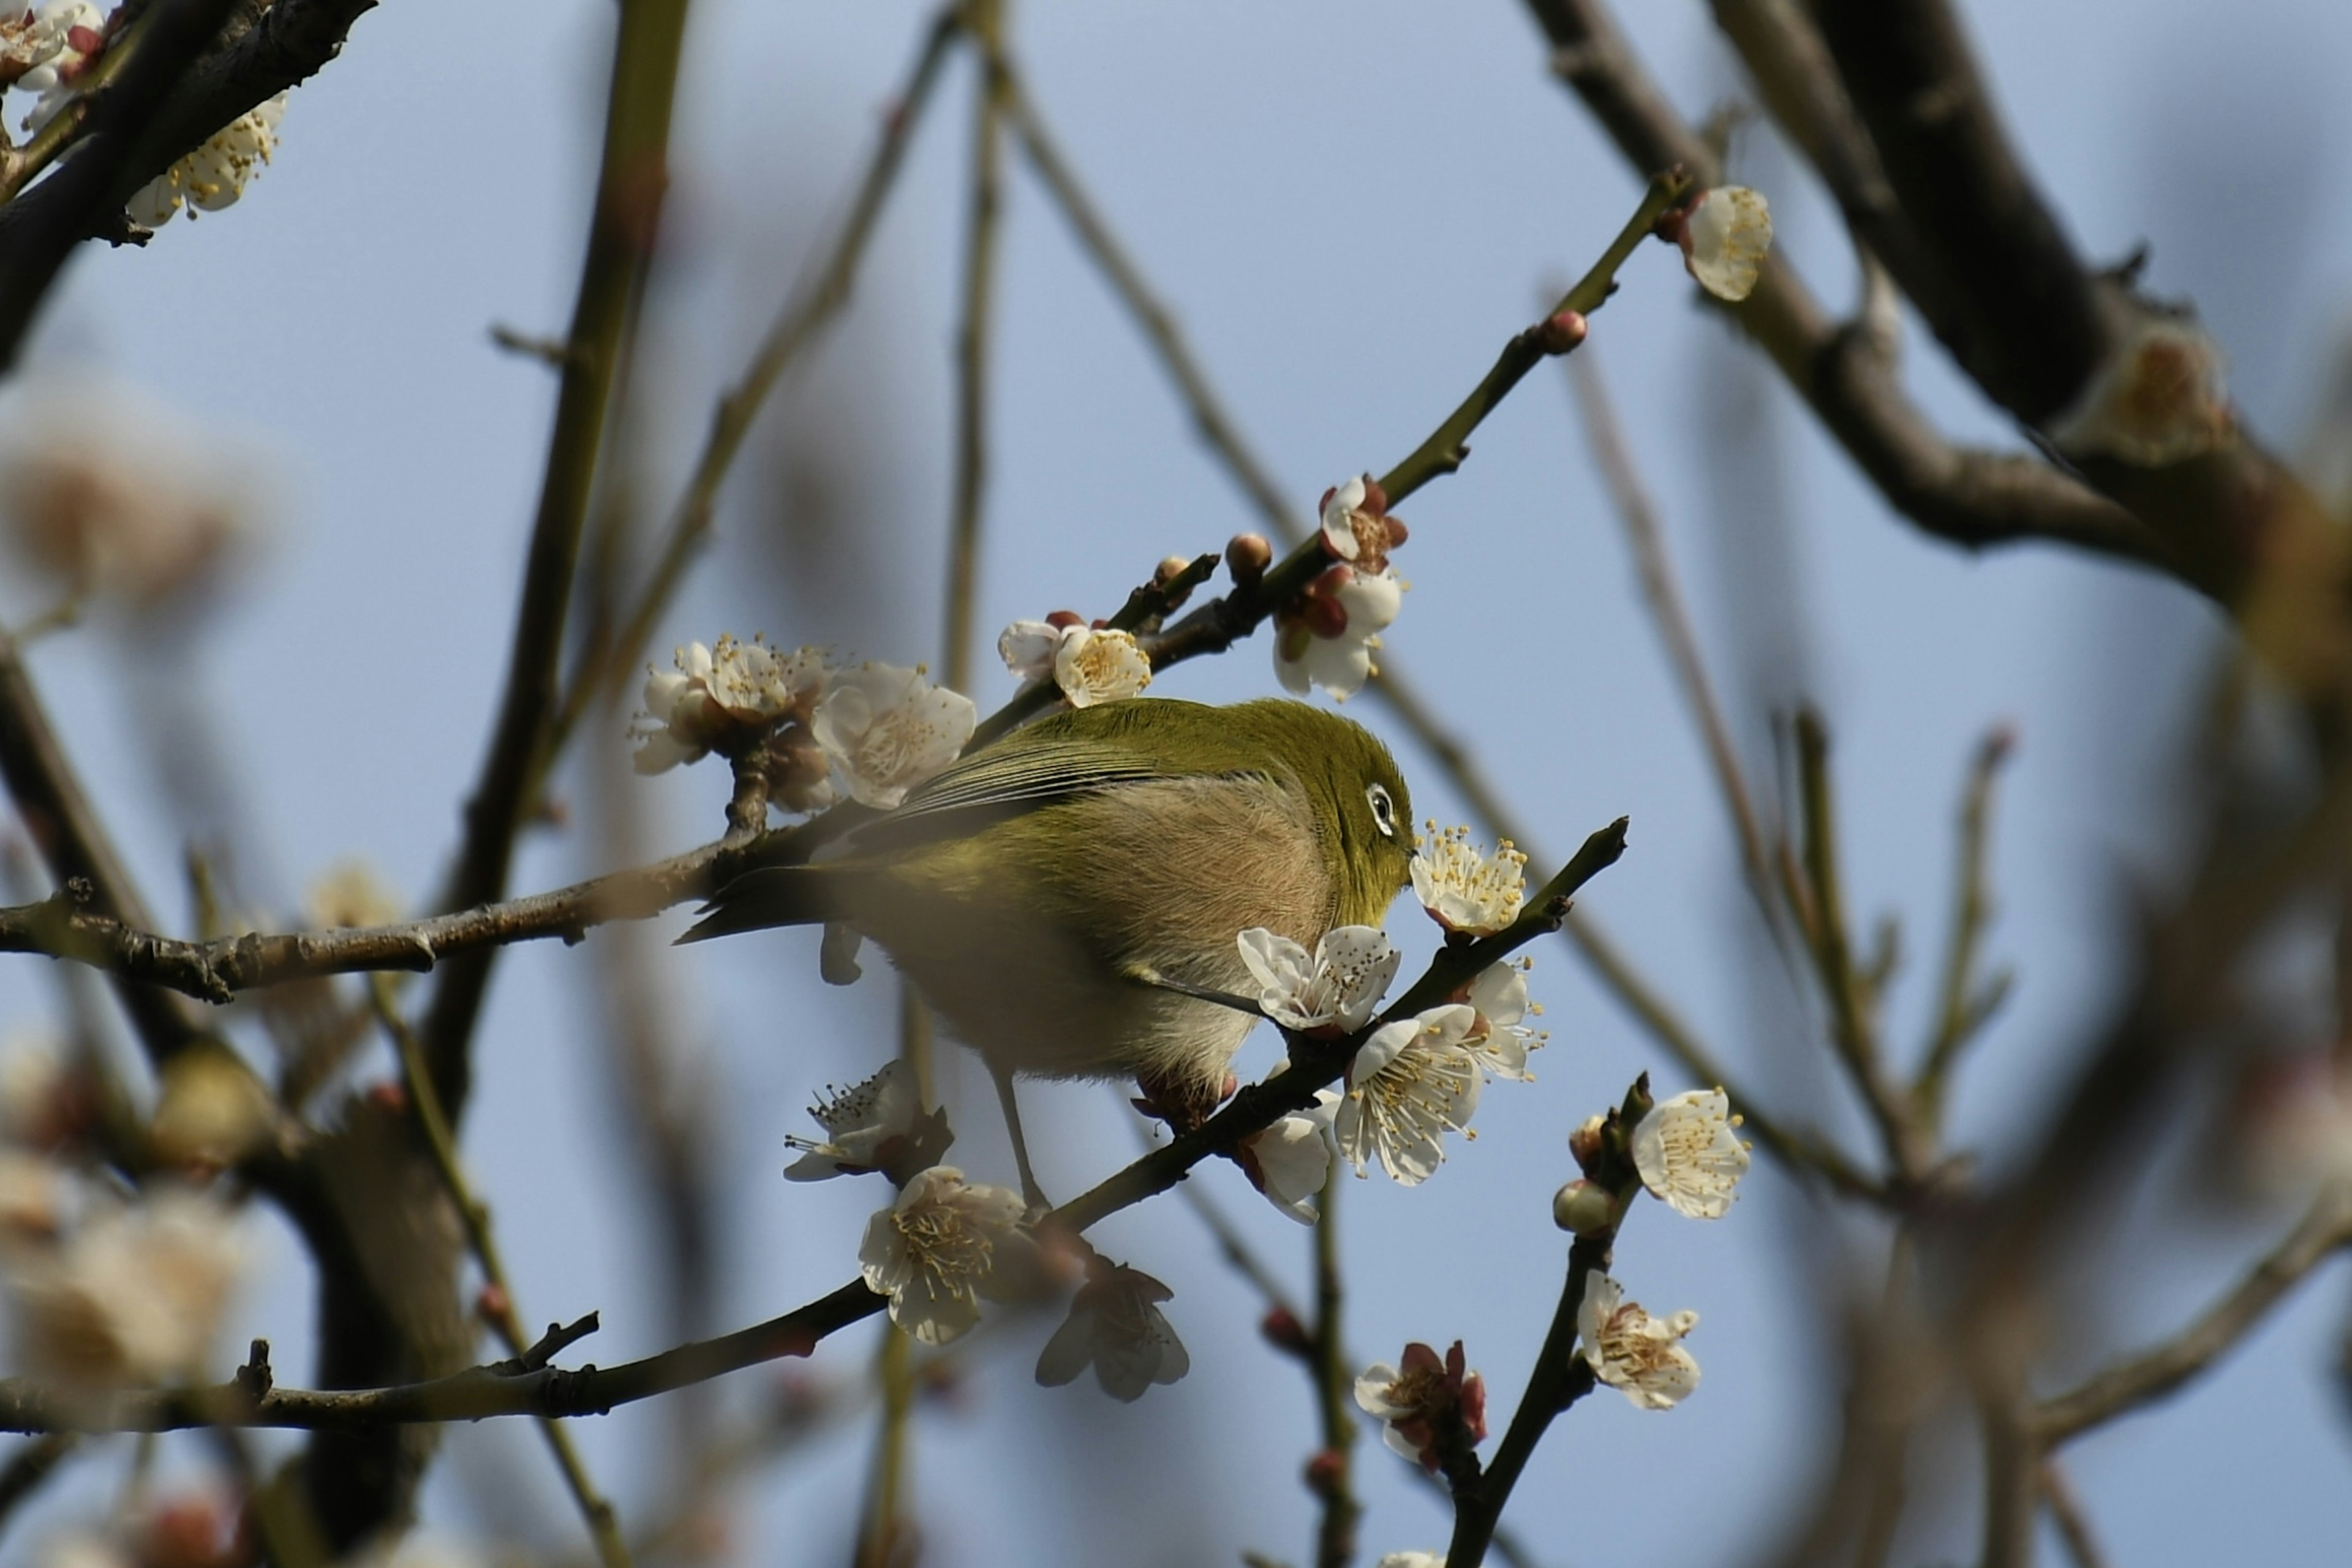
[1036, 891]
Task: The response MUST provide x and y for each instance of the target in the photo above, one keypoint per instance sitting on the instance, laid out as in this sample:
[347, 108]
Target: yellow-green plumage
[1024, 889]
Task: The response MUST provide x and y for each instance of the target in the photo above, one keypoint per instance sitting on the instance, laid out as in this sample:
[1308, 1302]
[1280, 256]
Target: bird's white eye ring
[1383, 809]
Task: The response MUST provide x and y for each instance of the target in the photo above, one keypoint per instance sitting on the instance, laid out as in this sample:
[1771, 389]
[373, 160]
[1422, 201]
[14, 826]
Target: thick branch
[1992, 271]
[1997, 278]
[1970, 498]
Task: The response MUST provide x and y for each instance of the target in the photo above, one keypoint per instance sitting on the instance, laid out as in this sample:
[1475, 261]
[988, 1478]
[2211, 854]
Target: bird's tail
[777, 896]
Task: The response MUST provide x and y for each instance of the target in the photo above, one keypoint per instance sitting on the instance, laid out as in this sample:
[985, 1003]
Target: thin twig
[1244, 1259]
[1559, 1378]
[498, 1299]
[630, 184]
[1327, 1361]
[879, 1544]
[1448, 444]
[1850, 994]
[2066, 1512]
[1209, 416]
[32, 1464]
[1963, 1007]
[72, 842]
[605, 663]
[1670, 615]
[2326, 1227]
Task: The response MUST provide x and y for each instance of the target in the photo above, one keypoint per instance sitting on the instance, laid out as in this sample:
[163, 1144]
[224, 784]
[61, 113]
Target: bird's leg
[1031, 1192]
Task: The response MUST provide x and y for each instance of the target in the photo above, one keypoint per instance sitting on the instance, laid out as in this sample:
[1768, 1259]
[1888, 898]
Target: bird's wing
[1004, 781]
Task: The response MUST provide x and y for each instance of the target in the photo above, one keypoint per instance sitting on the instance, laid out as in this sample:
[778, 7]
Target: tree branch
[527, 1386]
[2140, 1380]
[607, 662]
[630, 186]
[126, 134]
[1973, 499]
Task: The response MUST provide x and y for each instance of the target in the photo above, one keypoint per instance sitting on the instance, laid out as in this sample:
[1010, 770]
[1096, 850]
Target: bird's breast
[1023, 935]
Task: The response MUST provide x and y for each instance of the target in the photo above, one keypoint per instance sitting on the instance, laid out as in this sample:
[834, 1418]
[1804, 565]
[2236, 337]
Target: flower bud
[1283, 1331]
[1561, 333]
[1585, 1143]
[1327, 1472]
[1583, 1208]
[492, 1303]
[1247, 555]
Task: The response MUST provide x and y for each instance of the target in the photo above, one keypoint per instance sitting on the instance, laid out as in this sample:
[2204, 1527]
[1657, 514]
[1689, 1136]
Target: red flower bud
[1283, 1331]
[1561, 333]
[1327, 1472]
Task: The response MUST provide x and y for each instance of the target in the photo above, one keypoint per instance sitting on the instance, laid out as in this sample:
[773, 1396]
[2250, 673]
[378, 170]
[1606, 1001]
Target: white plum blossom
[1411, 1560]
[1689, 1154]
[32, 39]
[351, 893]
[940, 1249]
[1027, 647]
[1413, 1081]
[133, 1295]
[1090, 665]
[1420, 1396]
[56, 44]
[726, 692]
[887, 729]
[215, 174]
[2159, 398]
[1332, 644]
[1639, 1356]
[1725, 233]
[1093, 666]
[1290, 1160]
[860, 1122]
[1116, 1324]
[1357, 528]
[114, 494]
[1465, 889]
[1501, 1041]
[1337, 986]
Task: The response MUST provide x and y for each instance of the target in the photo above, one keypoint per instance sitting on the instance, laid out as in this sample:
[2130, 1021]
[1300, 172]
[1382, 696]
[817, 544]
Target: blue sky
[1348, 207]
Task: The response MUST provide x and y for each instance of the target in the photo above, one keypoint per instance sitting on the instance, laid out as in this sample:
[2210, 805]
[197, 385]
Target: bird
[1068, 899]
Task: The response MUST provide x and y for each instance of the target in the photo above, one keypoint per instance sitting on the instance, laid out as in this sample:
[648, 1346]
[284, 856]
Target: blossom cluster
[114, 495]
[945, 1245]
[876, 730]
[1417, 1078]
[1090, 663]
[1327, 637]
[52, 52]
[47, 52]
[215, 174]
[110, 1287]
